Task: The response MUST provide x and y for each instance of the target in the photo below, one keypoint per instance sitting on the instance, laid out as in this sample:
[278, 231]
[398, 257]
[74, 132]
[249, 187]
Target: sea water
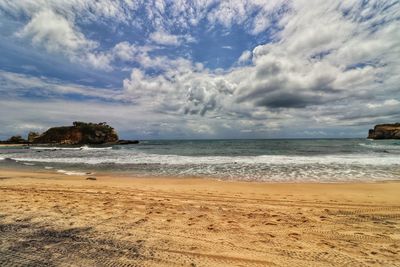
[304, 160]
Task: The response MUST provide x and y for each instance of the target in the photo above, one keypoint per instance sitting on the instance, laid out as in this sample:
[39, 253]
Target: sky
[199, 69]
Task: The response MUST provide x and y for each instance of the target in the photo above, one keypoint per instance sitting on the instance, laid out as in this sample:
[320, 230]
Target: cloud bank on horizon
[201, 69]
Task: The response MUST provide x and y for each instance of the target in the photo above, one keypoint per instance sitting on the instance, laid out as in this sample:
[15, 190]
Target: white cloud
[245, 57]
[164, 38]
[328, 63]
[55, 33]
[54, 24]
[17, 85]
[229, 12]
[261, 23]
[58, 35]
[85, 10]
[304, 72]
[255, 15]
[124, 51]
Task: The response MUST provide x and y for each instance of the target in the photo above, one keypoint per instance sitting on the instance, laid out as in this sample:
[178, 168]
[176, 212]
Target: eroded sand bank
[69, 221]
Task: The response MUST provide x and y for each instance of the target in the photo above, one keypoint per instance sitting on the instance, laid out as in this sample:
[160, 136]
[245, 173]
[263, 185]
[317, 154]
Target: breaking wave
[72, 172]
[265, 160]
[145, 158]
[68, 148]
[395, 146]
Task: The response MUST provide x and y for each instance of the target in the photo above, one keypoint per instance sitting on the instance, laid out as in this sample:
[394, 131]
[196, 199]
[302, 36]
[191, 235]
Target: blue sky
[201, 69]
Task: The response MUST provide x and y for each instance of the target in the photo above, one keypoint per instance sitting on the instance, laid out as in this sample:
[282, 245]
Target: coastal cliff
[385, 131]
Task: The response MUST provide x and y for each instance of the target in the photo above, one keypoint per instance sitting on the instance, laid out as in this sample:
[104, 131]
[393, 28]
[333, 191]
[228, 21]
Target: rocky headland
[385, 131]
[80, 133]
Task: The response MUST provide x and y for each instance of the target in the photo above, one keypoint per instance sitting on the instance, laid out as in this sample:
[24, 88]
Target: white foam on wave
[143, 158]
[273, 168]
[71, 172]
[69, 148]
[53, 148]
[95, 148]
[382, 146]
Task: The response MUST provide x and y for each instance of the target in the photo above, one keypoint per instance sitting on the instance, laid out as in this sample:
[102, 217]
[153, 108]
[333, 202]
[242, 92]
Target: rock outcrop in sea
[80, 133]
[385, 131]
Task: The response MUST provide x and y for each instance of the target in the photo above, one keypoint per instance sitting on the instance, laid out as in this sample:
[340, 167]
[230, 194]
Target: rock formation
[32, 136]
[80, 133]
[385, 131]
[127, 142]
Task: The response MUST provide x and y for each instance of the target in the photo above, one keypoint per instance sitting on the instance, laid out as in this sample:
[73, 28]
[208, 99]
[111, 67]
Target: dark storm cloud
[288, 100]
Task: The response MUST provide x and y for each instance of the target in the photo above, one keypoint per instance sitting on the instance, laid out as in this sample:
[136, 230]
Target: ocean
[280, 160]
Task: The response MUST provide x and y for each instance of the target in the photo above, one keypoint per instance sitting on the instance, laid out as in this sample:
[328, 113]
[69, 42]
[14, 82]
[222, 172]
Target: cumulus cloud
[325, 63]
[245, 57]
[306, 68]
[58, 35]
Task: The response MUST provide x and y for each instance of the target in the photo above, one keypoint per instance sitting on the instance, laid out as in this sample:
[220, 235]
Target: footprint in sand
[294, 235]
[211, 227]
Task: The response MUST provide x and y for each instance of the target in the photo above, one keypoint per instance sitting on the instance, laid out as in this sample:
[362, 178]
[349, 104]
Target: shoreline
[113, 174]
[386, 190]
[287, 161]
[13, 145]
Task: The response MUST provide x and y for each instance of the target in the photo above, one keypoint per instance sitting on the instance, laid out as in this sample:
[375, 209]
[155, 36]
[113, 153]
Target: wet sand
[59, 220]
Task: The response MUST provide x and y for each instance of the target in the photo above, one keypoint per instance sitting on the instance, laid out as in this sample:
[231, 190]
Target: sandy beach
[57, 220]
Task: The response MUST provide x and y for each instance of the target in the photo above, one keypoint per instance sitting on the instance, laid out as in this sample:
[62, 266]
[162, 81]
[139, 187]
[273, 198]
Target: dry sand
[56, 220]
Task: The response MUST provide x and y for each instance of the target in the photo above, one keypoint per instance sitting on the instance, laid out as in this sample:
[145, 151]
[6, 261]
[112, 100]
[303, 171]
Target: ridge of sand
[59, 220]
